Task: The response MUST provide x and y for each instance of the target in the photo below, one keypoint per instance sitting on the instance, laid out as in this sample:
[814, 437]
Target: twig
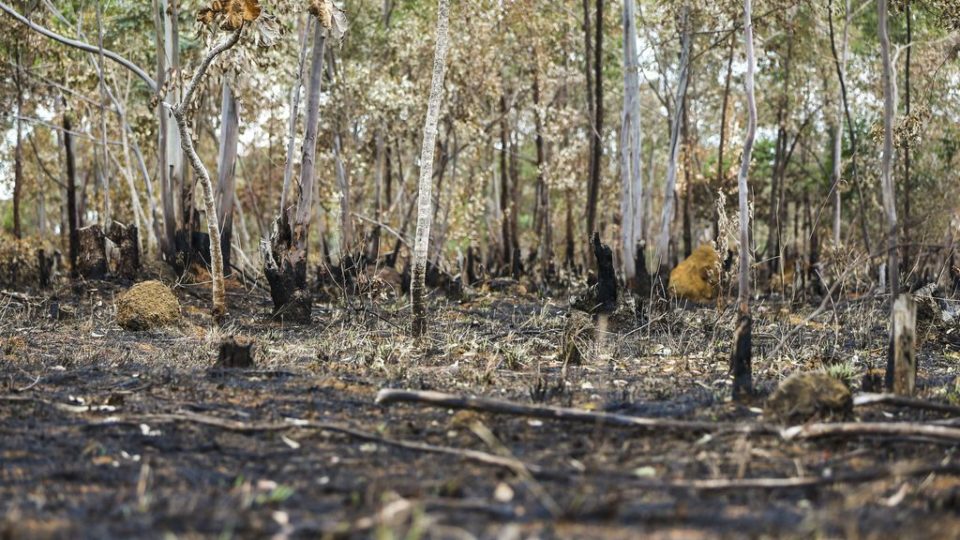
[438, 399]
[869, 429]
[903, 401]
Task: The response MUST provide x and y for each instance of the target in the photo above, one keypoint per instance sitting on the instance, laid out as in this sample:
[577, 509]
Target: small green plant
[276, 495]
[844, 372]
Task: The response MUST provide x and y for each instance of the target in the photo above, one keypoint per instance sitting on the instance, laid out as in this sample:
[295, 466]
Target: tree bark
[285, 252]
[226, 164]
[219, 308]
[424, 197]
[741, 356]
[886, 162]
[18, 149]
[597, 146]
[630, 161]
[74, 241]
[669, 194]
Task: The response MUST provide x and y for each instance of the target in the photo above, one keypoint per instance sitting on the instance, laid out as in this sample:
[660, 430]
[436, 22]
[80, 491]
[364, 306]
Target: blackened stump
[45, 266]
[126, 240]
[236, 352]
[740, 359]
[606, 276]
[285, 267]
[92, 260]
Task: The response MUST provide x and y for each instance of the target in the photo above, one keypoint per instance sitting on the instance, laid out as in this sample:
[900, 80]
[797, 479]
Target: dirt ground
[106, 433]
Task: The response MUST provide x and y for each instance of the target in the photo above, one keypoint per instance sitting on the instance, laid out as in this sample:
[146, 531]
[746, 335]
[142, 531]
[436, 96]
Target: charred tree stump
[127, 242]
[901, 372]
[285, 266]
[471, 267]
[92, 259]
[45, 268]
[740, 359]
[606, 276]
[236, 352]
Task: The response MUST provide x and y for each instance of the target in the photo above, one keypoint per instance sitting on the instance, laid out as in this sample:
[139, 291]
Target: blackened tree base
[285, 267]
[606, 276]
[740, 359]
[235, 353]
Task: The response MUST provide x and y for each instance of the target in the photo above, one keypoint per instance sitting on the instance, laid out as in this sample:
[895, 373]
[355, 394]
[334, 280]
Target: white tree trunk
[886, 163]
[425, 197]
[630, 161]
[669, 193]
[742, 187]
[838, 131]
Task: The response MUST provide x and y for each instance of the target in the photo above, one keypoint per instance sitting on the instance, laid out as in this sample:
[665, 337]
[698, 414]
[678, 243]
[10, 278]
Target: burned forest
[479, 269]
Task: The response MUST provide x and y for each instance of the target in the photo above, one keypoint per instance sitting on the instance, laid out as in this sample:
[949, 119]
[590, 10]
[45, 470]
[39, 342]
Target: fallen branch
[293, 423]
[873, 429]
[438, 399]
[859, 477]
[514, 465]
[903, 401]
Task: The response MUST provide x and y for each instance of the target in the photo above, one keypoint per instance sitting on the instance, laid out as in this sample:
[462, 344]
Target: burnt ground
[106, 433]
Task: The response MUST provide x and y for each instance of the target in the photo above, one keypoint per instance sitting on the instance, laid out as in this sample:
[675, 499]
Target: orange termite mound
[697, 278]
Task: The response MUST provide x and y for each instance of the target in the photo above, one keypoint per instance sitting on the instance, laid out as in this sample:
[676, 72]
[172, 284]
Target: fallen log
[438, 399]
[903, 401]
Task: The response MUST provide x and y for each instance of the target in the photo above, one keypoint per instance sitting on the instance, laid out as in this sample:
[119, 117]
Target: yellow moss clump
[697, 278]
[804, 395]
[147, 305]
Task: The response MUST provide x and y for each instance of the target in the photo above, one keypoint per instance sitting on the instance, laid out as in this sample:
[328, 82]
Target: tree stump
[236, 352]
[92, 259]
[606, 276]
[285, 267]
[902, 357]
[740, 359]
[45, 268]
[127, 241]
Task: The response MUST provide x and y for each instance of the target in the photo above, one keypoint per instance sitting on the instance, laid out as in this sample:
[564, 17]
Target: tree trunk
[18, 150]
[886, 178]
[630, 161]
[285, 253]
[219, 307]
[424, 197]
[507, 237]
[541, 212]
[74, 241]
[907, 180]
[669, 194]
[226, 163]
[597, 146]
[886, 162]
[294, 108]
[851, 132]
[740, 359]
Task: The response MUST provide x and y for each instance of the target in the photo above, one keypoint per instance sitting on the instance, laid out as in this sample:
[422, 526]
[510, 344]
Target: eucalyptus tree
[740, 360]
[631, 202]
[424, 197]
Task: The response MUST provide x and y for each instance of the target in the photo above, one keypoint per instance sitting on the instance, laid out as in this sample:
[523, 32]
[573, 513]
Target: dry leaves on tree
[231, 14]
[330, 16]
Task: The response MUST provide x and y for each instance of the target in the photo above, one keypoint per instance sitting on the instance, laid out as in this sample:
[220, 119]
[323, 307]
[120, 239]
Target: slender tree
[424, 197]
[669, 190]
[631, 204]
[213, 229]
[886, 175]
[741, 355]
